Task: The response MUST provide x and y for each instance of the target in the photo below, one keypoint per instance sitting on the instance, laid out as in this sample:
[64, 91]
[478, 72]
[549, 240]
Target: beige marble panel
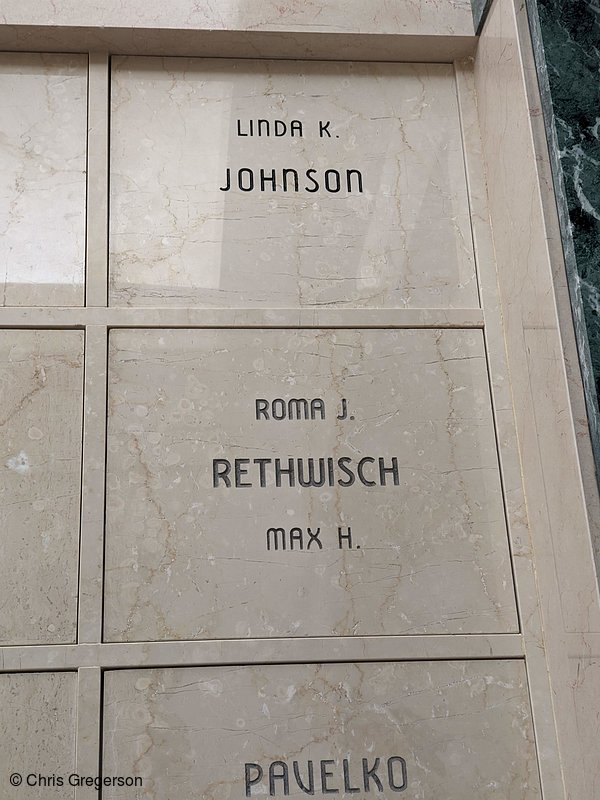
[189, 554]
[559, 533]
[425, 48]
[43, 128]
[388, 225]
[584, 681]
[462, 729]
[512, 476]
[449, 17]
[41, 375]
[37, 734]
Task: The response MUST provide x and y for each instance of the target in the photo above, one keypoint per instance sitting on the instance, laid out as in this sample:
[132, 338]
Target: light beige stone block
[43, 130]
[448, 17]
[37, 734]
[41, 381]
[199, 545]
[462, 728]
[361, 201]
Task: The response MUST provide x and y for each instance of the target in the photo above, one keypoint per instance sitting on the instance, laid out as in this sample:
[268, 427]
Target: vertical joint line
[97, 180]
[91, 556]
[88, 740]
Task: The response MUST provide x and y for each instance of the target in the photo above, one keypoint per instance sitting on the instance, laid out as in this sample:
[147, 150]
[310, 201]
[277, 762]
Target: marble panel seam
[24, 318]
[283, 651]
[96, 287]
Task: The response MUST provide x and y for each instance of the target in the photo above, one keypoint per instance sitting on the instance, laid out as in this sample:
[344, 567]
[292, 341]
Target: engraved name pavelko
[328, 776]
[289, 179]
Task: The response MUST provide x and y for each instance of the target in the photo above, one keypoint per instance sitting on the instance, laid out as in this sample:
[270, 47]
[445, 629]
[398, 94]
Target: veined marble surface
[37, 732]
[462, 728]
[43, 137]
[41, 384]
[449, 17]
[566, 38]
[392, 232]
[187, 548]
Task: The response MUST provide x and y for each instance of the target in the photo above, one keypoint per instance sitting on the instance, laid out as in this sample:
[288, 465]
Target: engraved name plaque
[302, 483]
[454, 730]
[283, 184]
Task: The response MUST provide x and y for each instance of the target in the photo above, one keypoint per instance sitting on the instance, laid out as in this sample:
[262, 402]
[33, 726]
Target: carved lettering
[327, 776]
[306, 472]
[280, 539]
[329, 181]
[266, 128]
[294, 408]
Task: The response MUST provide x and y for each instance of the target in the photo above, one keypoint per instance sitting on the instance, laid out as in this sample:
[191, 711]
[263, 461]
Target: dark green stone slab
[566, 42]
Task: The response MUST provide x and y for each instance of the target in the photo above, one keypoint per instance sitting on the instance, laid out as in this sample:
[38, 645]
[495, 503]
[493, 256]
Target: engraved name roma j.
[295, 408]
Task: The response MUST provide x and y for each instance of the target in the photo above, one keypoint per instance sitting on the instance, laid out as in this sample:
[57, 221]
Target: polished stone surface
[544, 506]
[37, 732]
[42, 179]
[547, 510]
[565, 37]
[370, 204]
[188, 549]
[463, 730]
[437, 17]
[41, 380]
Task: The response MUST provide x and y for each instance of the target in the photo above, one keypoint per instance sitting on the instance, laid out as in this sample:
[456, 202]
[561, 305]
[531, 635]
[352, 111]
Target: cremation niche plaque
[447, 730]
[284, 184]
[41, 396]
[37, 734]
[273, 483]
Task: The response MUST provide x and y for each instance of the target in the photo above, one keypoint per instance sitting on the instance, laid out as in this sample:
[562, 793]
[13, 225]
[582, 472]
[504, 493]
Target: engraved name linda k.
[293, 128]
[288, 179]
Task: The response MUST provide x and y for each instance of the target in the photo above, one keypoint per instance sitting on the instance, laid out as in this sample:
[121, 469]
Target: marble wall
[275, 505]
[174, 481]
